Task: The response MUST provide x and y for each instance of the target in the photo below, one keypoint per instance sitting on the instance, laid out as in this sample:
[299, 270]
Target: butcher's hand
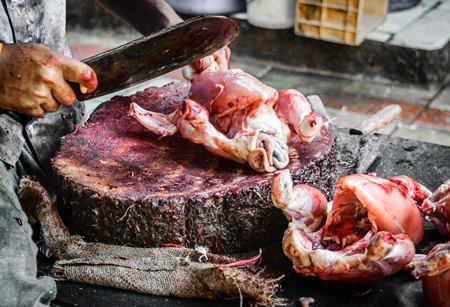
[34, 79]
[219, 60]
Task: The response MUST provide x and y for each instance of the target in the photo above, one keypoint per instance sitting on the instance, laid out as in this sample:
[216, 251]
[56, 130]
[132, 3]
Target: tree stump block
[119, 183]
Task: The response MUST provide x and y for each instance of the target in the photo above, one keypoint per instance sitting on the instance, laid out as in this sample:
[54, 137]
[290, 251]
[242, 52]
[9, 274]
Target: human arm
[33, 79]
[148, 16]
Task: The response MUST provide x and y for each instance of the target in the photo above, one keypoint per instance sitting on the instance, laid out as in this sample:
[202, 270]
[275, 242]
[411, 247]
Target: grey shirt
[44, 22]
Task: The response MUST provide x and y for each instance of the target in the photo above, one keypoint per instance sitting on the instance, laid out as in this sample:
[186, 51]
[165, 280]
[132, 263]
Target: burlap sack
[166, 271]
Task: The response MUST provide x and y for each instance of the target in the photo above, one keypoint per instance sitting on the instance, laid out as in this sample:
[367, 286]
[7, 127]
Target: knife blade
[162, 52]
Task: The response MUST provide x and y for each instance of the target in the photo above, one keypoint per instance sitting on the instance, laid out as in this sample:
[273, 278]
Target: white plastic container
[271, 14]
[201, 7]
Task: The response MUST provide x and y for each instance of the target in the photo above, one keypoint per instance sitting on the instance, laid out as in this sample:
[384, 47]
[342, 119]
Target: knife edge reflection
[162, 52]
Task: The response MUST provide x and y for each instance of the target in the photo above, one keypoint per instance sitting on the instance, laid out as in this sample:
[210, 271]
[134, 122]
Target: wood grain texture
[119, 183]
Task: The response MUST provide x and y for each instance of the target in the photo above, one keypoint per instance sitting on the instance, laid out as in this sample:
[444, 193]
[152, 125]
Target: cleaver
[157, 54]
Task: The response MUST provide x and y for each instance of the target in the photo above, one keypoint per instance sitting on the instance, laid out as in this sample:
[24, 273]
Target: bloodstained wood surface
[119, 183]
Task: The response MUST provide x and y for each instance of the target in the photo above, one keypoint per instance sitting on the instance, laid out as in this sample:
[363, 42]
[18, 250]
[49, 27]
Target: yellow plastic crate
[342, 21]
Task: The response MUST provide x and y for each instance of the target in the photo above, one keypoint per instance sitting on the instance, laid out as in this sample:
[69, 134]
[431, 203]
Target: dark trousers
[19, 284]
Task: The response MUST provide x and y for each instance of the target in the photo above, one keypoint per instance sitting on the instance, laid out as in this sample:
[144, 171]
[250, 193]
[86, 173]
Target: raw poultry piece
[370, 229]
[235, 116]
[437, 208]
[434, 268]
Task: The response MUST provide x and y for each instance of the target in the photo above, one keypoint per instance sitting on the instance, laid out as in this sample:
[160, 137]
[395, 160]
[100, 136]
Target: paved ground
[425, 112]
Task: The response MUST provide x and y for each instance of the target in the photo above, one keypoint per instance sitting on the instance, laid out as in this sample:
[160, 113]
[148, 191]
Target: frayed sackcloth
[163, 271]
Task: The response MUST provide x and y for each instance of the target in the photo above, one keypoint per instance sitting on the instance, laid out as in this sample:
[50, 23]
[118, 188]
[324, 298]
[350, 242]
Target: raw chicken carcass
[235, 116]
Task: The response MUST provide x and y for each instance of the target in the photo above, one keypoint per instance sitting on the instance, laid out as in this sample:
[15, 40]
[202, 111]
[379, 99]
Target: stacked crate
[342, 21]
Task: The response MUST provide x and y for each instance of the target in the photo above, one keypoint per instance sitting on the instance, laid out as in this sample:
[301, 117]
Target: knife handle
[76, 88]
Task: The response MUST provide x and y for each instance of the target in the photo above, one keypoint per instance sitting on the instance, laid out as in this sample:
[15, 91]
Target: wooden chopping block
[119, 183]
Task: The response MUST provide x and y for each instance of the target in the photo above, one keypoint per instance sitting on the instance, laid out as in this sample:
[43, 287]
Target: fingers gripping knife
[159, 53]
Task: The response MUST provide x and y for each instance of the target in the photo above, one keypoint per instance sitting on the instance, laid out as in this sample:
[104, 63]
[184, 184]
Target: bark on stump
[118, 183]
